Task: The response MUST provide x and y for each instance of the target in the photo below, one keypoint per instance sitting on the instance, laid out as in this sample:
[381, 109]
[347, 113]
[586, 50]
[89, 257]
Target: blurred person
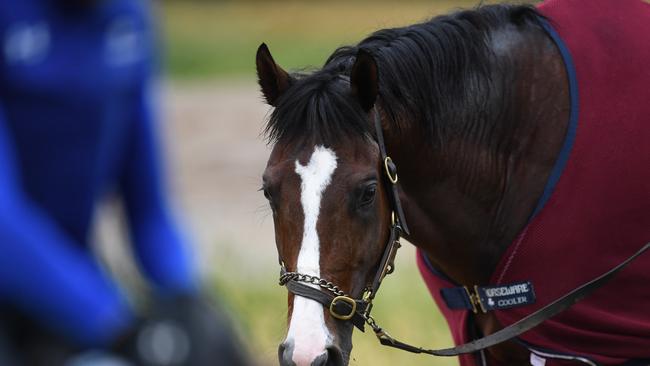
[77, 122]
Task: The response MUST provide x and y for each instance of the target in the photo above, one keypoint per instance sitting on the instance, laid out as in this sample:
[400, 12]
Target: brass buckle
[367, 294]
[475, 300]
[348, 300]
[393, 179]
[389, 267]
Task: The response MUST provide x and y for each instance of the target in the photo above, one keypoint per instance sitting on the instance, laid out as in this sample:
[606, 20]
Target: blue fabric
[77, 122]
[456, 298]
[572, 128]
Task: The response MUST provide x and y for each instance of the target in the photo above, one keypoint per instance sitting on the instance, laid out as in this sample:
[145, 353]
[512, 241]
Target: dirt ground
[217, 156]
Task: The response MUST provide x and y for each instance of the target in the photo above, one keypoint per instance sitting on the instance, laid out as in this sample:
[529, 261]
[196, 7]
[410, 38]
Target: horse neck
[466, 201]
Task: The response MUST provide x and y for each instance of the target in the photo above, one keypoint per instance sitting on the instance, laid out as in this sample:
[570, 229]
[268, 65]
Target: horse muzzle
[330, 356]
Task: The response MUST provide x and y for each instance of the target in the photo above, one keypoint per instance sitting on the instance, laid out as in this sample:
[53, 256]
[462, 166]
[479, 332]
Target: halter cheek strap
[390, 170]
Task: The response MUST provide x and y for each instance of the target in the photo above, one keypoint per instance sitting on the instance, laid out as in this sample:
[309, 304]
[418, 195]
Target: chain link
[371, 322]
[299, 277]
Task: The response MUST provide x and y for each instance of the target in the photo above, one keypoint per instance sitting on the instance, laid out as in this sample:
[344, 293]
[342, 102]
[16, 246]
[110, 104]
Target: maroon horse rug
[595, 209]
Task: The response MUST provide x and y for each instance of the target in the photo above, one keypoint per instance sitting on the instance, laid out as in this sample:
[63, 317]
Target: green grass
[403, 307]
[220, 38]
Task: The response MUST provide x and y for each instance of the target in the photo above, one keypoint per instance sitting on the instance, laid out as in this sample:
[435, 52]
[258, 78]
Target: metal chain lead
[294, 276]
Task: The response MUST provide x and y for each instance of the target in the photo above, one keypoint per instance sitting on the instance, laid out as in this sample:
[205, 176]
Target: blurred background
[214, 116]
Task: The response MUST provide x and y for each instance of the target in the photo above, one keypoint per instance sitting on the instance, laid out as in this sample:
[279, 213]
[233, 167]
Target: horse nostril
[320, 360]
[334, 356]
[285, 354]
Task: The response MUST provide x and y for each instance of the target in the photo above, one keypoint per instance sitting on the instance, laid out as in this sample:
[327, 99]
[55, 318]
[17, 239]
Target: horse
[478, 109]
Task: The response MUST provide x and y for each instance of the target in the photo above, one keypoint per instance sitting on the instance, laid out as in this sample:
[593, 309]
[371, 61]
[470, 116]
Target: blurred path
[217, 155]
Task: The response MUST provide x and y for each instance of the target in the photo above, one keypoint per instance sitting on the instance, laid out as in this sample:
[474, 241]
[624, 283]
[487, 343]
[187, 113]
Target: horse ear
[272, 78]
[364, 79]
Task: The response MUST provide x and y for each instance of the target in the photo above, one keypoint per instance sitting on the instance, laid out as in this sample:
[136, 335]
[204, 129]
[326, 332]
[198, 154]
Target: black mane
[441, 74]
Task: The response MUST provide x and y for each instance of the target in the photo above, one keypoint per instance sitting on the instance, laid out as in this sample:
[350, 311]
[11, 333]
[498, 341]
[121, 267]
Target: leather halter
[341, 305]
[344, 307]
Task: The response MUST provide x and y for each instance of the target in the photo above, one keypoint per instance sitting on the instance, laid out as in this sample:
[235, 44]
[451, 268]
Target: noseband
[346, 308]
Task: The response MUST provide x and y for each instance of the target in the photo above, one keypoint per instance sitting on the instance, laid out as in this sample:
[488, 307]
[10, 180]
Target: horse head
[329, 200]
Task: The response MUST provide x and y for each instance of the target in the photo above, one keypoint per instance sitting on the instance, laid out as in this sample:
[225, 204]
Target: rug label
[507, 296]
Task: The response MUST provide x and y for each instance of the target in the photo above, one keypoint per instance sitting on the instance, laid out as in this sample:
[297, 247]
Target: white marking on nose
[307, 328]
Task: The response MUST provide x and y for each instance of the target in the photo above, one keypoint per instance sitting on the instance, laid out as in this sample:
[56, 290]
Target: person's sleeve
[46, 275]
[161, 249]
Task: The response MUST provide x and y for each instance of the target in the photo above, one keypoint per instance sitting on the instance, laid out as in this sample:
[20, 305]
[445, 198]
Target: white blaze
[307, 328]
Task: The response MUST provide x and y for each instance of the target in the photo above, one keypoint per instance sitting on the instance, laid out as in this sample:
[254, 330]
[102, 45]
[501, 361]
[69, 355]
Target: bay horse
[478, 109]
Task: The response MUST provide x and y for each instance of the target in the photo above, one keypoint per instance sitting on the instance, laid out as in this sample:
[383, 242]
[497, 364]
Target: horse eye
[267, 194]
[368, 195]
[269, 198]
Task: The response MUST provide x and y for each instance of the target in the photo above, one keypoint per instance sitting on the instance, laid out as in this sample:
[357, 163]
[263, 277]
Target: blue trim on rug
[569, 139]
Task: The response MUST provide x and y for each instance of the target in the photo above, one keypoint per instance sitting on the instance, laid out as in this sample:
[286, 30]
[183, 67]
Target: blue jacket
[77, 121]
